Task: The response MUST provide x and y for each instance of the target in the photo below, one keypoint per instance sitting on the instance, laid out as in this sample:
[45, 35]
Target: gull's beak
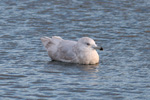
[97, 47]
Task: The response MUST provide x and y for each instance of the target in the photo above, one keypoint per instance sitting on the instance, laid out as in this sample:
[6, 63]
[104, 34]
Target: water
[121, 27]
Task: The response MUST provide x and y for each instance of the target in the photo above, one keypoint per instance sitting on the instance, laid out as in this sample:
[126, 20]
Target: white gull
[82, 51]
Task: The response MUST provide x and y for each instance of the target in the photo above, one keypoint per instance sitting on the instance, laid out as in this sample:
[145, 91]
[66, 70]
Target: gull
[82, 51]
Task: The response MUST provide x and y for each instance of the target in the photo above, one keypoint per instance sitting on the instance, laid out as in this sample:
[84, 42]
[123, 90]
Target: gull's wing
[65, 51]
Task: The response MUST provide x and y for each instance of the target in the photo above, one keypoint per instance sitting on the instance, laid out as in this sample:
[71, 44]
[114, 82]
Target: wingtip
[45, 38]
[57, 37]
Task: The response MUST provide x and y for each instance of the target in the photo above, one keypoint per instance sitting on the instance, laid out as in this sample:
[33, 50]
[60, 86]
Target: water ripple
[120, 27]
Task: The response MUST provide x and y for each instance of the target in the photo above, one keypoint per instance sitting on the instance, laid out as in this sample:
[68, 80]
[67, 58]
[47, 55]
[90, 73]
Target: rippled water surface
[122, 27]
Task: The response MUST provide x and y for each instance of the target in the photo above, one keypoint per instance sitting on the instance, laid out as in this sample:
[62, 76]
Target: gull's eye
[87, 43]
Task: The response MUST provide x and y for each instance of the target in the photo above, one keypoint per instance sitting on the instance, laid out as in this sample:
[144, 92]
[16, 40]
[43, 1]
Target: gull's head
[87, 43]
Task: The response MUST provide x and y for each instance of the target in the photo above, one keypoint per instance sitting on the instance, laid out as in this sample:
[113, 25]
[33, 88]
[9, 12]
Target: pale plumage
[81, 51]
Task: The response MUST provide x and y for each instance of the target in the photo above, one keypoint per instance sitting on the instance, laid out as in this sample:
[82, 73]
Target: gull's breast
[91, 57]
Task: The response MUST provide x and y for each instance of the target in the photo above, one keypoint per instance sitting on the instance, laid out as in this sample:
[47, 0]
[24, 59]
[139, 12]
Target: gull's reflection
[73, 71]
[62, 65]
[90, 68]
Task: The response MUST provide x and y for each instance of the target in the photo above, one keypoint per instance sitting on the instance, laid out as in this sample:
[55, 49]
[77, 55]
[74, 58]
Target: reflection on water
[121, 27]
[72, 69]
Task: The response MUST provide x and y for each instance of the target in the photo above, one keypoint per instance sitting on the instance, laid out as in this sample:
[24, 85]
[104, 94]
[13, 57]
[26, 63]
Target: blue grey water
[121, 27]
